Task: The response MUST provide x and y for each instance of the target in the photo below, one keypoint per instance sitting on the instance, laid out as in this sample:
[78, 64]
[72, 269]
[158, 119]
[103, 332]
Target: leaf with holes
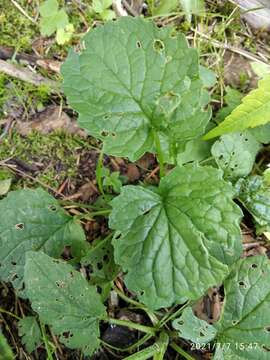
[235, 154]
[174, 241]
[254, 194]
[64, 300]
[127, 91]
[33, 220]
[254, 111]
[30, 332]
[101, 261]
[245, 321]
[194, 329]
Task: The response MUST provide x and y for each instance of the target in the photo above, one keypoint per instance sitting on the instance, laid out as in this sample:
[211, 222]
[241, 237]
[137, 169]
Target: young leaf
[195, 150]
[125, 87]
[5, 350]
[52, 18]
[245, 320]
[235, 153]
[233, 99]
[255, 196]
[174, 242]
[33, 220]
[63, 35]
[30, 332]
[4, 186]
[194, 329]
[64, 300]
[253, 111]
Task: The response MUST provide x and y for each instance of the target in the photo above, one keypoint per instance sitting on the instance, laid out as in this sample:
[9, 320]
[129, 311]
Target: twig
[24, 174]
[242, 52]
[129, 8]
[6, 129]
[7, 53]
[27, 75]
[118, 8]
[22, 11]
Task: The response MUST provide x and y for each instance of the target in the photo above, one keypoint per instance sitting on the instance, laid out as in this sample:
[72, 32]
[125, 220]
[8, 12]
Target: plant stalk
[146, 329]
[180, 351]
[159, 154]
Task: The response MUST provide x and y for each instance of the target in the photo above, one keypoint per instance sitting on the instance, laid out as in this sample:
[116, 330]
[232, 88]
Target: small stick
[118, 8]
[242, 52]
[22, 11]
[27, 75]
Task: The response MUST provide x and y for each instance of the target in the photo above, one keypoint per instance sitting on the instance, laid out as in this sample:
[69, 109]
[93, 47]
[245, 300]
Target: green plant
[55, 20]
[102, 9]
[138, 89]
[251, 113]
[190, 7]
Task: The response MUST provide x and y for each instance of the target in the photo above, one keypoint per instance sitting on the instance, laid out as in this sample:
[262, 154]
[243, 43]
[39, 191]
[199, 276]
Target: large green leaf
[254, 194]
[30, 332]
[235, 153]
[174, 242]
[254, 111]
[244, 328]
[64, 300]
[33, 220]
[134, 80]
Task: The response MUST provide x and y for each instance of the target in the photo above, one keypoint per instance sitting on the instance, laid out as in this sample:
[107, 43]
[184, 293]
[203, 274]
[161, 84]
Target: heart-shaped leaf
[174, 242]
[235, 153]
[64, 300]
[33, 220]
[30, 332]
[244, 328]
[134, 80]
[194, 329]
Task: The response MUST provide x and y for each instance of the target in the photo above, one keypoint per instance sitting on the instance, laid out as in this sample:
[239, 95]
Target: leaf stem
[68, 203]
[9, 313]
[137, 344]
[150, 314]
[99, 172]
[93, 214]
[182, 352]
[207, 160]
[163, 343]
[159, 154]
[46, 343]
[146, 329]
[169, 317]
[144, 354]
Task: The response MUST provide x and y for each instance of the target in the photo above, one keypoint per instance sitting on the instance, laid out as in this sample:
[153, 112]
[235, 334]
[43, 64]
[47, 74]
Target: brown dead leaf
[146, 161]
[132, 173]
[87, 191]
[49, 120]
